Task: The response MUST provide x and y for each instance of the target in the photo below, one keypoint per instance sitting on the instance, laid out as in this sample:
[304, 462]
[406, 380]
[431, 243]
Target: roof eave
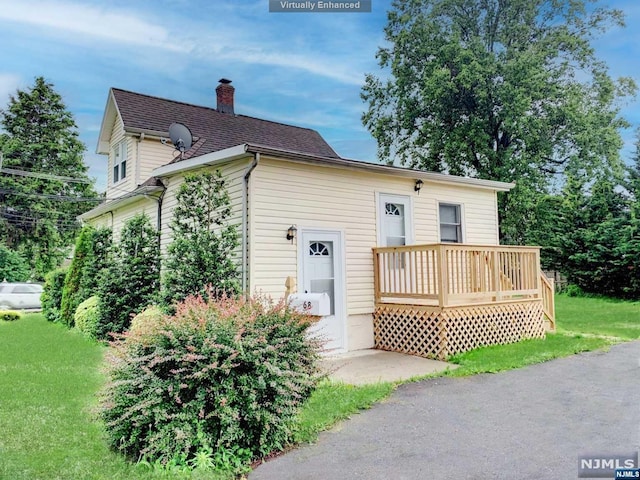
[110, 114]
[209, 159]
[245, 150]
[120, 202]
[383, 169]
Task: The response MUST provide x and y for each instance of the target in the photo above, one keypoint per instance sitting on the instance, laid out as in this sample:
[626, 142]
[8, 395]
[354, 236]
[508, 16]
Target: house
[410, 259]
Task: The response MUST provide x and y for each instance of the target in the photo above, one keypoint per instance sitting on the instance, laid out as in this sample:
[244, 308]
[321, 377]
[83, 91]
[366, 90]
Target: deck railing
[456, 274]
[548, 299]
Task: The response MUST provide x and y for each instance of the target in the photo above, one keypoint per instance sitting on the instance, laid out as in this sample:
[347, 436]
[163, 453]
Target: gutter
[377, 168]
[244, 150]
[209, 159]
[120, 202]
[245, 224]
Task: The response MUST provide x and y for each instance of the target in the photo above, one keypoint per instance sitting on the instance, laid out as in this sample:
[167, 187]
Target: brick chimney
[224, 94]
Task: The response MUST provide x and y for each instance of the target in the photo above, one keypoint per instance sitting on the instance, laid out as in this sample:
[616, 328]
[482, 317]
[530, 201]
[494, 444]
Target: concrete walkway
[527, 424]
[373, 366]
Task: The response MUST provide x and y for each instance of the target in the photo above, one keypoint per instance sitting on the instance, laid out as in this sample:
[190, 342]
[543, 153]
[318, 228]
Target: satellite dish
[180, 137]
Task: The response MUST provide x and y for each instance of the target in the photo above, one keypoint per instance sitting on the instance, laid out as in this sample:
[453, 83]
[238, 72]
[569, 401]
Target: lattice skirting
[436, 332]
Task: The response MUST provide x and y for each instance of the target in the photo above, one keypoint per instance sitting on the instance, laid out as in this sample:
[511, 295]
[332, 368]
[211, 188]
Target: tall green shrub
[97, 261]
[89, 259]
[200, 254]
[132, 279]
[13, 266]
[70, 293]
[51, 298]
[221, 378]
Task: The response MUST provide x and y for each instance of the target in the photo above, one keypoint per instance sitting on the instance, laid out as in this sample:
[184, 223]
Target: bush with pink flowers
[219, 379]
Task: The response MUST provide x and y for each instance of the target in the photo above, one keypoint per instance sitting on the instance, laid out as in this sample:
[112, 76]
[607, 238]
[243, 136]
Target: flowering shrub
[219, 379]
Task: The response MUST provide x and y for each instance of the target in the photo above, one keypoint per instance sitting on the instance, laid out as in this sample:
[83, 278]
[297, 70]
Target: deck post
[495, 266]
[443, 277]
[376, 276]
[537, 270]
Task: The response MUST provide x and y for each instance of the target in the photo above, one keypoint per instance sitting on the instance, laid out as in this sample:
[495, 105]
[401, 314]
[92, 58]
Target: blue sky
[300, 68]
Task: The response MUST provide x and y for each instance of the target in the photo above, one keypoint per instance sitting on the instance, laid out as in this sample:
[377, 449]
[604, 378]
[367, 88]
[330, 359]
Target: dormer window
[119, 161]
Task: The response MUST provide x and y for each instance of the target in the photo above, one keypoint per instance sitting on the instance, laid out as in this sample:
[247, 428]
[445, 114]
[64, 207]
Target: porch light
[291, 233]
[418, 186]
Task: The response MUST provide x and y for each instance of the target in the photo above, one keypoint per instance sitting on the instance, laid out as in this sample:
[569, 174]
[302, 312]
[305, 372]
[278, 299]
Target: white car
[20, 296]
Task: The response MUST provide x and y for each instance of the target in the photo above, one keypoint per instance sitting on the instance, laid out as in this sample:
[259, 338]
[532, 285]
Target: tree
[13, 267]
[70, 297]
[630, 248]
[501, 90]
[200, 254]
[97, 261]
[594, 258]
[38, 208]
[132, 279]
[89, 259]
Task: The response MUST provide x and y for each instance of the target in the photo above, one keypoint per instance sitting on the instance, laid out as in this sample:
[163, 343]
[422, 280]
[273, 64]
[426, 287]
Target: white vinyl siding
[122, 186]
[309, 196]
[152, 154]
[116, 219]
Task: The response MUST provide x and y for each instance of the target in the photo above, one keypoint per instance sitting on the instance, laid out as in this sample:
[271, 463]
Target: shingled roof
[213, 130]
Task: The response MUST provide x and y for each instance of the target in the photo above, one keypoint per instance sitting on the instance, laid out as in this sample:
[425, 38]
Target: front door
[323, 272]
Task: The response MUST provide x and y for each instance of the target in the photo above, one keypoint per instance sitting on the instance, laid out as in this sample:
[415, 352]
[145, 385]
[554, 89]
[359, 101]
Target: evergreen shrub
[87, 316]
[10, 315]
[131, 280]
[51, 298]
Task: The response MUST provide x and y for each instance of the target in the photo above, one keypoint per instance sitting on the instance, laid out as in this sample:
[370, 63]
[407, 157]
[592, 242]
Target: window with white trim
[120, 161]
[450, 223]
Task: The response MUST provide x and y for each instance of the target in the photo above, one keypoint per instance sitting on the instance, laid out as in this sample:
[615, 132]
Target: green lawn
[583, 324]
[598, 316]
[48, 381]
[49, 377]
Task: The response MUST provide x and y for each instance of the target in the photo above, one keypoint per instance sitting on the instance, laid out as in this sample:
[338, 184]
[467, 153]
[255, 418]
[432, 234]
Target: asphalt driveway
[530, 423]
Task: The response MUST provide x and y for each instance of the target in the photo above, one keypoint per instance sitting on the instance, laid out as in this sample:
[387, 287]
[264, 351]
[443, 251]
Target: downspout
[159, 219]
[137, 171]
[245, 224]
[159, 215]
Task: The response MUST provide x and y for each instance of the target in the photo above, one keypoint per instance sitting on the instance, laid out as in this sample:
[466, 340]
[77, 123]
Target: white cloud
[9, 83]
[101, 22]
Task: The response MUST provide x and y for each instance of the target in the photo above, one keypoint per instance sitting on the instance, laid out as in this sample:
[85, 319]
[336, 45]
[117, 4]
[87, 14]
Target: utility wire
[58, 223]
[26, 218]
[45, 176]
[18, 210]
[68, 198]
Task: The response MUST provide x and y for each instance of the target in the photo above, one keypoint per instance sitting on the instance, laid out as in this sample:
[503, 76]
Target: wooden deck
[440, 299]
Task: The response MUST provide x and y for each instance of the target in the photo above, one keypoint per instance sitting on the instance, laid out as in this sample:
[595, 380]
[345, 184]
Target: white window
[394, 221]
[120, 161]
[450, 223]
